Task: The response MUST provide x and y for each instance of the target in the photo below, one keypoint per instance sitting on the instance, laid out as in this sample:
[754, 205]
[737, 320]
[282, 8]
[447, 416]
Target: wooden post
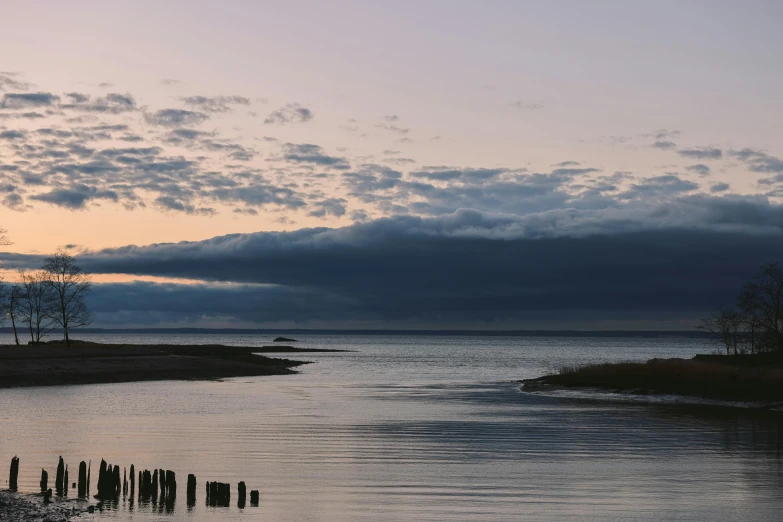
[102, 480]
[254, 498]
[58, 481]
[89, 467]
[12, 480]
[132, 481]
[44, 481]
[154, 486]
[241, 495]
[171, 484]
[124, 482]
[65, 481]
[213, 493]
[116, 482]
[48, 496]
[162, 480]
[82, 491]
[192, 489]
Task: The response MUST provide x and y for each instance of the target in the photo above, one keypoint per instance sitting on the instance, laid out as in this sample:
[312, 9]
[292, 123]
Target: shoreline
[29, 507]
[747, 380]
[53, 364]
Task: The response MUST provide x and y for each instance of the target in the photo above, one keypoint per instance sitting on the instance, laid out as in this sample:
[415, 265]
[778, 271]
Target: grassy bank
[732, 378]
[90, 363]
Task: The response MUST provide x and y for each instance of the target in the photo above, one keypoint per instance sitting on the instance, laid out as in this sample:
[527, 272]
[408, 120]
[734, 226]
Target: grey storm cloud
[176, 118]
[719, 187]
[216, 104]
[28, 100]
[291, 113]
[702, 153]
[477, 265]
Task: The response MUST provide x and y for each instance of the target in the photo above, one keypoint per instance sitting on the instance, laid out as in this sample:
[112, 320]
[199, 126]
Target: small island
[54, 363]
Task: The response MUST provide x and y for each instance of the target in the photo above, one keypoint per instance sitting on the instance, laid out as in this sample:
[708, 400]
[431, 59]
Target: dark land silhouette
[88, 363]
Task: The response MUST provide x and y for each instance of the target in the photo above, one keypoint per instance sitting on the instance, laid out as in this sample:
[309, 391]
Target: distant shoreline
[53, 364]
[651, 334]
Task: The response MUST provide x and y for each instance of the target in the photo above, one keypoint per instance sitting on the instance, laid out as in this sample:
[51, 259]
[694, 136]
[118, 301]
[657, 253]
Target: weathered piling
[171, 484]
[102, 485]
[241, 495]
[82, 491]
[192, 489]
[154, 488]
[124, 482]
[116, 481]
[14, 475]
[212, 493]
[47, 496]
[89, 468]
[44, 481]
[58, 480]
[65, 481]
[146, 487]
[254, 498]
[132, 481]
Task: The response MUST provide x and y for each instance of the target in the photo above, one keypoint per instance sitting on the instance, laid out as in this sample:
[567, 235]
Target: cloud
[290, 114]
[74, 197]
[313, 154]
[719, 187]
[8, 80]
[702, 153]
[175, 205]
[527, 106]
[218, 104]
[28, 100]
[329, 207]
[112, 103]
[759, 161]
[392, 128]
[477, 266]
[391, 118]
[664, 145]
[700, 168]
[176, 118]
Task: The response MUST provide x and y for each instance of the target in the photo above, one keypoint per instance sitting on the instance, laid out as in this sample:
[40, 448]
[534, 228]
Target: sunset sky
[438, 164]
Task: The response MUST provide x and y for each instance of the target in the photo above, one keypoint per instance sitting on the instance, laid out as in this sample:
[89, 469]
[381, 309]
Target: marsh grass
[710, 379]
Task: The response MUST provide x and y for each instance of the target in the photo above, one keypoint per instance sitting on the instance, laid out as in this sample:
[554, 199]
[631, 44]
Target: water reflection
[378, 435]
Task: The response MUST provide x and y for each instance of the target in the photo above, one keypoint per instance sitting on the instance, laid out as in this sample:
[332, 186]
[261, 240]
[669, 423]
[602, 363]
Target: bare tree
[763, 299]
[13, 307]
[725, 325]
[69, 285]
[36, 301]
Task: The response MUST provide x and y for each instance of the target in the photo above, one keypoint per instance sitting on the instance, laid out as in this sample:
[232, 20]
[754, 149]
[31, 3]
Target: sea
[409, 427]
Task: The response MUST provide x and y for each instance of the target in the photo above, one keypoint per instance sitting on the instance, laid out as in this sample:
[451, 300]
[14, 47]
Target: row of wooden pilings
[158, 483]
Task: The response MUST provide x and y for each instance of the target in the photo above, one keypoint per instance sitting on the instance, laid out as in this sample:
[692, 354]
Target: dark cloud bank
[665, 265]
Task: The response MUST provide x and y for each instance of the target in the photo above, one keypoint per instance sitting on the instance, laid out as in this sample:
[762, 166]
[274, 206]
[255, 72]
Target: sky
[477, 165]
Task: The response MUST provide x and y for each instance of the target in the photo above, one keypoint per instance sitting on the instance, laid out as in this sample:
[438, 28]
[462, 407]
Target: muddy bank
[54, 364]
[19, 507]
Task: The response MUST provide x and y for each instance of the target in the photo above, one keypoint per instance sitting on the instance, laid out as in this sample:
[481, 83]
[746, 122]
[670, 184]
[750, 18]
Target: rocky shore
[19, 507]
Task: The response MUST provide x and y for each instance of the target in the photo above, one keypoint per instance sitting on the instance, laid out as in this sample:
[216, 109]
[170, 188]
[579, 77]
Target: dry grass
[679, 376]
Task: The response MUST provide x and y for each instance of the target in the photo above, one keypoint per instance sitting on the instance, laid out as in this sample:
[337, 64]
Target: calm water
[410, 428]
